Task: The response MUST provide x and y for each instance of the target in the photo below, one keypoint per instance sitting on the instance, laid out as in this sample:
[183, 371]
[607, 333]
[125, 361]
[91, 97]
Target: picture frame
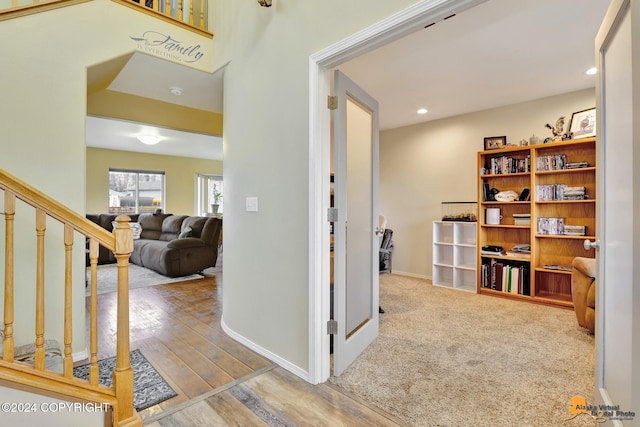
[495, 142]
[583, 124]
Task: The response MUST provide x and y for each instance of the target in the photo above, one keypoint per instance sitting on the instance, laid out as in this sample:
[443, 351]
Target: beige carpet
[453, 358]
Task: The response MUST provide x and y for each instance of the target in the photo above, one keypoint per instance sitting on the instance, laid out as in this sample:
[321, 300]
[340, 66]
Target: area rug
[139, 277]
[149, 388]
[450, 358]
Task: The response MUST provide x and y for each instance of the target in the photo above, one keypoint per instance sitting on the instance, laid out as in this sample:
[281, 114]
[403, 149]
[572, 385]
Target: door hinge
[332, 214]
[332, 327]
[332, 102]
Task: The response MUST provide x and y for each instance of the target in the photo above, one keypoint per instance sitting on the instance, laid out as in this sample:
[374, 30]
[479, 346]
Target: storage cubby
[454, 255]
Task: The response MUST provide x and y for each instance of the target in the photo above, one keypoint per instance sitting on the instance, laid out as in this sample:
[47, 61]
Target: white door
[355, 240]
[618, 226]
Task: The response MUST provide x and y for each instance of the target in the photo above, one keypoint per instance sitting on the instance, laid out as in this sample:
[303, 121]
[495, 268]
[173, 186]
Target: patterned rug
[139, 277]
[149, 388]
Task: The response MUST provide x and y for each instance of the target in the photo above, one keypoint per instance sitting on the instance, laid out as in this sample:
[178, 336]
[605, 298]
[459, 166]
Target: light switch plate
[252, 204]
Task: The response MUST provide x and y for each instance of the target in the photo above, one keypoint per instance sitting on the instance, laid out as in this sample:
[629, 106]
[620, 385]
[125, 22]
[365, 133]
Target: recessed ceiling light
[175, 90]
[149, 139]
[423, 111]
[591, 71]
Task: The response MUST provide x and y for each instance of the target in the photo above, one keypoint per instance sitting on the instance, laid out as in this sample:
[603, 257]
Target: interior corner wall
[426, 164]
[266, 148]
[180, 177]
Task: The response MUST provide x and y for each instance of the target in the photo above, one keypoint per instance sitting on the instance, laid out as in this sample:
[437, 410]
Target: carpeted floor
[139, 277]
[450, 358]
[149, 388]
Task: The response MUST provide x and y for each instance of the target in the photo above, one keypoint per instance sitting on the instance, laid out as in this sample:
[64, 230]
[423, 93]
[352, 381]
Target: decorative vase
[214, 208]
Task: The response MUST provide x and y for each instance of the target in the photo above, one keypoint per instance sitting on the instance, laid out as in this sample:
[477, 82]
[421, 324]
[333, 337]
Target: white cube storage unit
[454, 255]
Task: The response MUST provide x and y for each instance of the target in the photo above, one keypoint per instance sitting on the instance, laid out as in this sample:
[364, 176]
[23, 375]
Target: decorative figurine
[558, 130]
[533, 140]
[524, 142]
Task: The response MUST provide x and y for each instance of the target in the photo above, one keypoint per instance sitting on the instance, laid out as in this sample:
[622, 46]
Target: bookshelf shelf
[539, 284]
[454, 255]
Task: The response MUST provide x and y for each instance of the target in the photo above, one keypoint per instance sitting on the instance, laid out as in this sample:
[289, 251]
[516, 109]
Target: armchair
[583, 291]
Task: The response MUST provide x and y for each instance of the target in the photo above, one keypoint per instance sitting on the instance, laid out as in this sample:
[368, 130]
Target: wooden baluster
[9, 215]
[191, 12]
[68, 308]
[156, 5]
[167, 8]
[180, 10]
[202, 14]
[94, 249]
[41, 226]
[123, 374]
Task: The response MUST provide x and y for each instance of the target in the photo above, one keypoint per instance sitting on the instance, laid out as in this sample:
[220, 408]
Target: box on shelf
[459, 211]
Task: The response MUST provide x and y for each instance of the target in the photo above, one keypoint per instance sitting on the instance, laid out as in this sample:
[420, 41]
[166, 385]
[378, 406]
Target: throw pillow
[185, 233]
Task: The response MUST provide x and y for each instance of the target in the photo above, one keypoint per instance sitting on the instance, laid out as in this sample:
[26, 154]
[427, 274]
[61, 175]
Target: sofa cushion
[187, 242]
[196, 223]
[171, 227]
[151, 225]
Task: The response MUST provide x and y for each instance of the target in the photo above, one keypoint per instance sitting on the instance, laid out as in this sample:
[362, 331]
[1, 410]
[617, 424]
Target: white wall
[266, 147]
[425, 164]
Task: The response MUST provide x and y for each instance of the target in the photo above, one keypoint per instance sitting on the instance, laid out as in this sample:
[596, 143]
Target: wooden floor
[219, 381]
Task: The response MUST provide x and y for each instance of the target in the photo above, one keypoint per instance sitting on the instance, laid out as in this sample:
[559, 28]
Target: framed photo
[495, 142]
[583, 124]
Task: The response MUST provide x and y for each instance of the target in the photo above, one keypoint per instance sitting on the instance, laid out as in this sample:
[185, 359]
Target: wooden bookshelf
[546, 286]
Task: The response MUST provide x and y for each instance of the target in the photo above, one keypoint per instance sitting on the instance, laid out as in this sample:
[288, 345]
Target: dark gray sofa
[175, 245]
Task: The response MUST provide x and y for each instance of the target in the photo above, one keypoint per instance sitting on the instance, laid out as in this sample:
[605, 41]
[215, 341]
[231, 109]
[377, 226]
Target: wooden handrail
[120, 242]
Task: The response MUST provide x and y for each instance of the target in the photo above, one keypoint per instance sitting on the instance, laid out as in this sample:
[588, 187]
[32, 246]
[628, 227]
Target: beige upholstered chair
[583, 291]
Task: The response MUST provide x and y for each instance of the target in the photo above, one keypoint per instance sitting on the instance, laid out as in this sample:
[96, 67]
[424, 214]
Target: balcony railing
[188, 14]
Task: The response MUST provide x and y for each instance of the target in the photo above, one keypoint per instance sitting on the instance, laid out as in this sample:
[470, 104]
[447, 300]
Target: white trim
[81, 355]
[392, 28]
[294, 369]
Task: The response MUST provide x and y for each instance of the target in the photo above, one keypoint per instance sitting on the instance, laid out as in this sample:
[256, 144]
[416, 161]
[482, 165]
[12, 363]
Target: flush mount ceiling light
[591, 71]
[175, 90]
[265, 3]
[422, 111]
[149, 139]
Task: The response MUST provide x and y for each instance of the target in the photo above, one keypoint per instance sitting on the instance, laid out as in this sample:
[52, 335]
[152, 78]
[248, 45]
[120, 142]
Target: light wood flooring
[219, 381]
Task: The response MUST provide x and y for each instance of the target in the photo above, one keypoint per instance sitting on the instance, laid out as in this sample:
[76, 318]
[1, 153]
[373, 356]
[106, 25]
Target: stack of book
[520, 251]
[575, 230]
[506, 277]
[547, 163]
[576, 165]
[560, 192]
[550, 226]
[574, 193]
[521, 219]
[492, 250]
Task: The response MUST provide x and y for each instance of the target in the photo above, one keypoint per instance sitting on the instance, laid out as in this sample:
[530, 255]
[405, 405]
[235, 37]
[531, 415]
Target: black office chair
[386, 250]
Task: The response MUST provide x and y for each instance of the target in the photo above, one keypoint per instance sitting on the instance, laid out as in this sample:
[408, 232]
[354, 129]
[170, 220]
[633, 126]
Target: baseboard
[417, 276]
[81, 355]
[294, 369]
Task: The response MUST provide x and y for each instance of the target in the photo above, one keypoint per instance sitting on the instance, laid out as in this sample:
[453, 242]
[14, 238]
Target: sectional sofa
[172, 245]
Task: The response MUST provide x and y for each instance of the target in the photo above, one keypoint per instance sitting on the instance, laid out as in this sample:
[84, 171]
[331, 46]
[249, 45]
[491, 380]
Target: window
[210, 191]
[132, 191]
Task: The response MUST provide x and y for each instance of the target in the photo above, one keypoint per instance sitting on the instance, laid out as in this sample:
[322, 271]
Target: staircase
[27, 365]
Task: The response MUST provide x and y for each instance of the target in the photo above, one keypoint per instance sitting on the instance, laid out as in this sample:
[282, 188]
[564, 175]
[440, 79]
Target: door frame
[389, 29]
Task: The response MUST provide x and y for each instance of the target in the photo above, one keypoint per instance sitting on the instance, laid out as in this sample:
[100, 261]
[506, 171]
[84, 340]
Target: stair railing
[37, 376]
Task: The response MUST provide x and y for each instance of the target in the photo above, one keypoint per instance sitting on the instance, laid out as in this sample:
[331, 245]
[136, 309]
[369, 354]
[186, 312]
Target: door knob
[379, 231]
[591, 245]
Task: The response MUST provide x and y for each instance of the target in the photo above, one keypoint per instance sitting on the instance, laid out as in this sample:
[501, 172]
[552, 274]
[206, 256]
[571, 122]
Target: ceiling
[498, 53]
